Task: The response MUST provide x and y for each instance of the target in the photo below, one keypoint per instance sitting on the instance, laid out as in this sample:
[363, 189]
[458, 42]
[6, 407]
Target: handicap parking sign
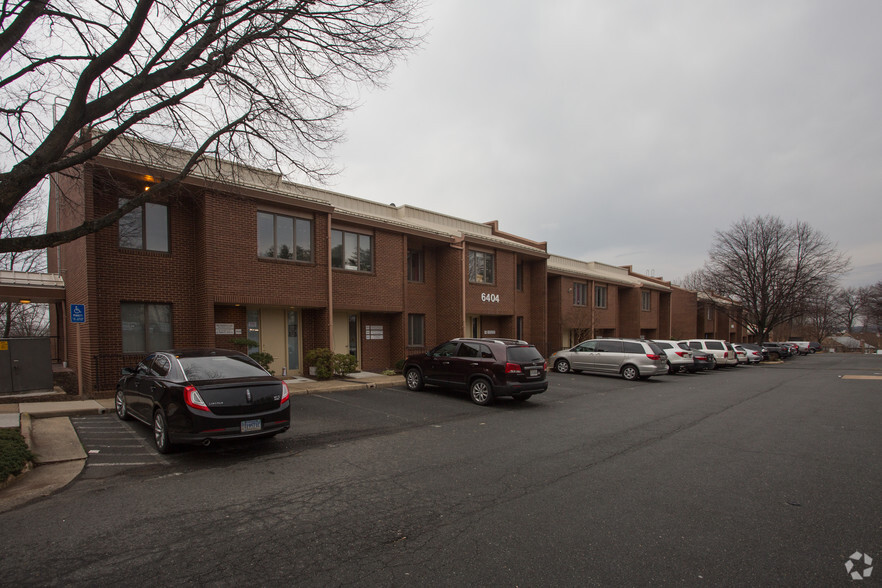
[77, 313]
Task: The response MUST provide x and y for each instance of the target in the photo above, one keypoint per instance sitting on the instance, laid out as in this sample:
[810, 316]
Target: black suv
[487, 368]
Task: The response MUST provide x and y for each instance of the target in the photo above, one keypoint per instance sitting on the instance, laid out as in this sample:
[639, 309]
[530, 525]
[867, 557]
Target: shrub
[261, 357]
[345, 364]
[14, 453]
[322, 359]
[399, 365]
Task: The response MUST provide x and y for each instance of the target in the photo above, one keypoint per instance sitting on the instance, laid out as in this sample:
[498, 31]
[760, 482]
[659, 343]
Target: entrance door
[346, 333]
[274, 337]
[293, 341]
[473, 326]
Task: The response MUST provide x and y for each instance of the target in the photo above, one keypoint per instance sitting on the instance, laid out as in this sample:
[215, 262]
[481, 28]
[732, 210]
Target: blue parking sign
[77, 313]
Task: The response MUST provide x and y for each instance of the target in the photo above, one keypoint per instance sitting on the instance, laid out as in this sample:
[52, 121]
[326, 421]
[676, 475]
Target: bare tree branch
[175, 72]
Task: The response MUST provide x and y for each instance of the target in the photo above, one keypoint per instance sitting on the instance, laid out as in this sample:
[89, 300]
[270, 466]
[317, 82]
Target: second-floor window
[352, 251]
[481, 267]
[284, 237]
[519, 276]
[646, 300]
[145, 227]
[580, 294]
[415, 270]
[600, 296]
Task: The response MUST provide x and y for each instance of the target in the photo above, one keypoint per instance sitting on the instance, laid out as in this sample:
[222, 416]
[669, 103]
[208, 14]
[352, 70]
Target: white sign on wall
[487, 297]
[373, 332]
[224, 329]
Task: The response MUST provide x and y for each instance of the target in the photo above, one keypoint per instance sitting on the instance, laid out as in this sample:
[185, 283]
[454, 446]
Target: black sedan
[701, 360]
[201, 395]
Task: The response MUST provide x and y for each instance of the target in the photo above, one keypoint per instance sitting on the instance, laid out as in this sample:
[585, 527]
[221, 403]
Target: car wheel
[713, 364]
[122, 411]
[414, 379]
[630, 373]
[671, 369]
[481, 392]
[160, 432]
[562, 366]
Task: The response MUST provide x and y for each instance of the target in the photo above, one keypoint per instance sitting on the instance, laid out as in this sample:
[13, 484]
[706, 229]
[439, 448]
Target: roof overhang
[30, 287]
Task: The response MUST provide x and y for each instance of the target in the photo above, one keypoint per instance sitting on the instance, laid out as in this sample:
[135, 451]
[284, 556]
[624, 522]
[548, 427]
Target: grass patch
[14, 453]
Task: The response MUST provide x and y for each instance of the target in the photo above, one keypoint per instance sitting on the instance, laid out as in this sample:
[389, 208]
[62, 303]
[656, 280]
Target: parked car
[701, 360]
[755, 353]
[631, 358]
[679, 359]
[740, 354]
[716, 346]
[487, 368]
[777, 351]
[202, 395]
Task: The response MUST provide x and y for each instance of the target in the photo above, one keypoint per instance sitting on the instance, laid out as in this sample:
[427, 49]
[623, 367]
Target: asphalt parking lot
[765, 475]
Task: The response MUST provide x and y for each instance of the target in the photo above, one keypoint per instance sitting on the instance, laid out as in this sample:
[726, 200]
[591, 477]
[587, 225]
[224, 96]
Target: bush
[322, 359]
[261, 357]
[345, 364]
[14, 453]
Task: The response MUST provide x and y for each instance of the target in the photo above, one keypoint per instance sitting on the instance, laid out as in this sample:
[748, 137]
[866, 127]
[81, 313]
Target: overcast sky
[628, 132]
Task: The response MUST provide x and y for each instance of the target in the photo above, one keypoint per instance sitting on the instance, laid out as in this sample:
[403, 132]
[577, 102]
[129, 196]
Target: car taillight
[286, 395]
[513, 368]
[653, 356]
[545, 367]
[194, 400]
[681, 353]
[725, 354]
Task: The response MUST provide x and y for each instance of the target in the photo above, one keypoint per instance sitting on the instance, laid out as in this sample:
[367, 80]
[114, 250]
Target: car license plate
[534, 373]
[248, 426]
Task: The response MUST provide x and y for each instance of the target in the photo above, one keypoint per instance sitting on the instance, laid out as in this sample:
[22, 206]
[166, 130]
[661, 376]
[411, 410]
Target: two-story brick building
[247, 255]
[234, 253]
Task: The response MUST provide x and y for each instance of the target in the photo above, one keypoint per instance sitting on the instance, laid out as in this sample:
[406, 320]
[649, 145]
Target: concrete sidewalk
[59, 456]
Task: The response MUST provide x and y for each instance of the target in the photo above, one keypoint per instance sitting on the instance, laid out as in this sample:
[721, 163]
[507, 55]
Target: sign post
[78, 317]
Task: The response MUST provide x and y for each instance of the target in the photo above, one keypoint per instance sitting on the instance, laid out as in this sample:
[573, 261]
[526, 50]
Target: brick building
[233, 253]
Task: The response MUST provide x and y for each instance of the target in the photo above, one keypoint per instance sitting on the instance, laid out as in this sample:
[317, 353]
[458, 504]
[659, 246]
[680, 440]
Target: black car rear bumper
[520, 388]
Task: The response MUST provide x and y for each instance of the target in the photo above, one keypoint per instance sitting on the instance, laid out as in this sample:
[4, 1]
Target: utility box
[25, 365]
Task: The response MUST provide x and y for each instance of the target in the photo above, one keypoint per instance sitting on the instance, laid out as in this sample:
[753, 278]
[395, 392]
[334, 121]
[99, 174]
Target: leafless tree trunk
[262, 82]
[771, 268]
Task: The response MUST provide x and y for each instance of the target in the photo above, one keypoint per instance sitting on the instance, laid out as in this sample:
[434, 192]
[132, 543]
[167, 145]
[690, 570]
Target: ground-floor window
[520, 328]
[293, 341]
[145, 327]
[416, 330]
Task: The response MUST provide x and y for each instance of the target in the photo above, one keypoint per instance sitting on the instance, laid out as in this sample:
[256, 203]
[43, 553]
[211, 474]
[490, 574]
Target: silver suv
[632, 358]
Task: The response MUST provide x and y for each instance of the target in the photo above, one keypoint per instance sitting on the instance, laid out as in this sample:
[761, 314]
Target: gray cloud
[628, 132]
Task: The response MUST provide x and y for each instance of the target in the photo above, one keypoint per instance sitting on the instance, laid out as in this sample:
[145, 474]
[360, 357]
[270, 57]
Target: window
[284, 237]
[145, 227]
[351, 251]
[710, 313]
[520, 328]
[480, 267]
[519, 276]
[600, 296]
[580, 294]
[415, 271]
[416, 330]
[145, 327]
[646, 300]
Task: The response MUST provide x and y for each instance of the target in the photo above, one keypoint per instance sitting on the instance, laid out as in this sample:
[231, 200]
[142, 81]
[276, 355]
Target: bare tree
[262, 82]
[826, 313]
[17, 319]
[872, 306]
[771, 268]
[851, 302]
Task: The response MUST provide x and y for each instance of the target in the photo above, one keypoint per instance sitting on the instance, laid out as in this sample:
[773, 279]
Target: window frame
[601, 296]
[580, 294]
[474, 257]
[295, 220]
[414, 320]
[358, 250]
[146, 345]
[646, 301]
[145, 224]
[419, 256]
